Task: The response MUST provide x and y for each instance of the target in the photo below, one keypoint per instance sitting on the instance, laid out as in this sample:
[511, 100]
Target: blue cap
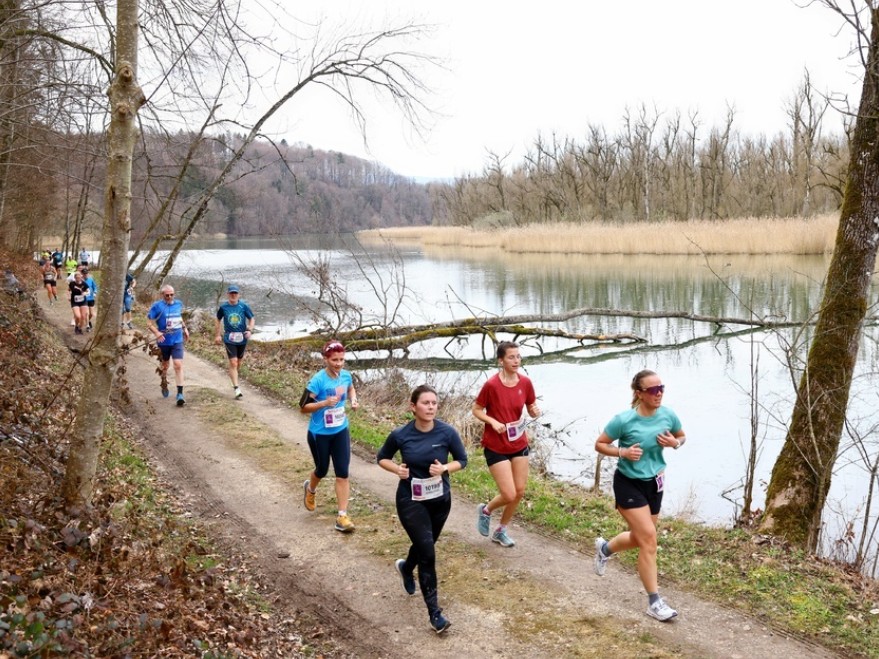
[232, 289]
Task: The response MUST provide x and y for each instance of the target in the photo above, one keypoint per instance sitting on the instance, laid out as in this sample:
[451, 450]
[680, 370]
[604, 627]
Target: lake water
[709, 370]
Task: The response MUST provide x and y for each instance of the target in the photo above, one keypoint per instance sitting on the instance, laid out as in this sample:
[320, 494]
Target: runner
[91, 300]
[424, 494]
[84, 257]
[504, 441]
[128, 300]
[233, 328]
[642, 433]
[77, 290]
[50, 281]
[167, 314]
[70, 265]
[324, 399]
[58, 261]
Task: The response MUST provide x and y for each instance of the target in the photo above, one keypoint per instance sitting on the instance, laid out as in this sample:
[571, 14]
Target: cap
[232, 289]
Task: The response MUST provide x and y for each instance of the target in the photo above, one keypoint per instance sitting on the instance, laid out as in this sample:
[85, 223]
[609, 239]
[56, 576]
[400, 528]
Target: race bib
[174, 323]
[79, 298]
[236, 337]
[516, 429]
[660, 482]
[334, 417]
[424, 489]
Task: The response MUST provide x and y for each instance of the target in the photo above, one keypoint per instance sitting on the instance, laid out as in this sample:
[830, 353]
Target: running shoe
[483, 521]
[344, 524]
[238, 394]
[407, 577]
[129, 326]
[309, 497]
[180, 400]
[165, 392]
[500, 536]
[661, 611]
[600, 559]
[77, 330]
[439, 623]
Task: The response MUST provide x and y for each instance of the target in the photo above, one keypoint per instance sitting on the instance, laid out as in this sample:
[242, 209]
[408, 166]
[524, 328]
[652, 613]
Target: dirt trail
[355, 592]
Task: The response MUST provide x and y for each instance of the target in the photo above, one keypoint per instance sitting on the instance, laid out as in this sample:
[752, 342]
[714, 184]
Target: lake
[709, 370]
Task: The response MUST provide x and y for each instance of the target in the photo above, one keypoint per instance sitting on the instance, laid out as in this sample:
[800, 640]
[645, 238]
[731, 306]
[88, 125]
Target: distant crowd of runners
[424, 452]
[81, 287]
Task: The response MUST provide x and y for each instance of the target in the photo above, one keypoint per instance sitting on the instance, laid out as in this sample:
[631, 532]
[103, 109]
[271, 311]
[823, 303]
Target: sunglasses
[653, 391]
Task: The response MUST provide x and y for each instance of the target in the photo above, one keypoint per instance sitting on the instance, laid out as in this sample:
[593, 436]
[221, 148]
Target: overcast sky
[517, 70]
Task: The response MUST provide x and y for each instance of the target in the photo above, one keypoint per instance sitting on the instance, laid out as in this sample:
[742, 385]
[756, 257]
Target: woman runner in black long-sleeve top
[424, 496]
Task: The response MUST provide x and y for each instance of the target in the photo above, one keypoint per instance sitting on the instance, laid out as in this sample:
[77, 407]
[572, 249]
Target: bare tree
[805, 111]
[126, 98]
[802, 473]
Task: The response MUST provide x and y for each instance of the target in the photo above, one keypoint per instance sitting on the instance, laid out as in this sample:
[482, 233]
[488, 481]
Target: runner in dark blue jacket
[424, 496]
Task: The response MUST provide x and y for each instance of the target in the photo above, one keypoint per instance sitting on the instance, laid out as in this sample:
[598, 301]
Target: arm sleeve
[389, 448]
[456, 447]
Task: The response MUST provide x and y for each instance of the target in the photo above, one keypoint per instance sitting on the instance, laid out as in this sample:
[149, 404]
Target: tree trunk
[126, 98]
[801, 475]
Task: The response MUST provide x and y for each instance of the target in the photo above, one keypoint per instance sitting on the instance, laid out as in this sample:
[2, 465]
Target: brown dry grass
[739, 236]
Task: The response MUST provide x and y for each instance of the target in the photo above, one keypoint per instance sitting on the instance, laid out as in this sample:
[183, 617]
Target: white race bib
[424, 489]
[516, 429]
[79, 298]
[334, 417]
[174, 322]
[236, 337]
[660, 482]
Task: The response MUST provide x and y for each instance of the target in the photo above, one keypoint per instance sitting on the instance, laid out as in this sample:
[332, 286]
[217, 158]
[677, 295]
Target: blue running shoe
[500, 536]
[165, 392]
[180, 400]
[483, 521]
[439, 623]
[408, 579]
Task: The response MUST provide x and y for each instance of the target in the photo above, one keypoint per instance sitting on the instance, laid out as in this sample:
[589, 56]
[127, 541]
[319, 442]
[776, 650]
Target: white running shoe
[661, 611]
[600, 559]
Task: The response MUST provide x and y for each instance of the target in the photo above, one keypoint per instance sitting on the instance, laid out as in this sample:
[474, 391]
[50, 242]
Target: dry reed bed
[739, 236]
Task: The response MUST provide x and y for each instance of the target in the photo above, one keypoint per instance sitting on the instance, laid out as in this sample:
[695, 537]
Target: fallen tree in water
[402, 338]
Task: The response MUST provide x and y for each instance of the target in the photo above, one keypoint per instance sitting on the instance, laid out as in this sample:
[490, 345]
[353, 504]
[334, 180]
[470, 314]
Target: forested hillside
[277, 189]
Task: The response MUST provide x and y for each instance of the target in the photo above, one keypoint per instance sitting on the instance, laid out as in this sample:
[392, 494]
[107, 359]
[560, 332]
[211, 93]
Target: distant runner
[165, 321]
[50, 281]
[233, 328]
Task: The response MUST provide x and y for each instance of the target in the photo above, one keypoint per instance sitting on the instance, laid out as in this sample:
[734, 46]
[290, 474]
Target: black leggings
[424, 521]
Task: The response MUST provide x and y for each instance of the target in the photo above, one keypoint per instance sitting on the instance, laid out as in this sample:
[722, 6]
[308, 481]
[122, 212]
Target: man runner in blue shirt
[234, 326]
